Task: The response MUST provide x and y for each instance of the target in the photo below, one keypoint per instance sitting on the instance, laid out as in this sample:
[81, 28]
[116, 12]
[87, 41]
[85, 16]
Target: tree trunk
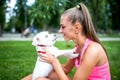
[0, 30]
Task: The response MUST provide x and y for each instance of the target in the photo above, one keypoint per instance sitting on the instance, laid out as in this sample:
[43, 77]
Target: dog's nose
[55, 35]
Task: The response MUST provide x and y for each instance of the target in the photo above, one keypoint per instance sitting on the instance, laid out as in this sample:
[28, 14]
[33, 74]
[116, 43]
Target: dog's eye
[37, 38]
[46, 36]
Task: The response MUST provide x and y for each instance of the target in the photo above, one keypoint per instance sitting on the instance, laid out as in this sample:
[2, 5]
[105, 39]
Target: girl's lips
[63, 34]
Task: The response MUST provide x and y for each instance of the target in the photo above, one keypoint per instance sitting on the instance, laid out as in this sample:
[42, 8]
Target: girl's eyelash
[63, 27]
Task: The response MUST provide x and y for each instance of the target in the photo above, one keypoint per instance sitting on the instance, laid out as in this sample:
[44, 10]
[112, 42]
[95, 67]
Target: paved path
[17, 37]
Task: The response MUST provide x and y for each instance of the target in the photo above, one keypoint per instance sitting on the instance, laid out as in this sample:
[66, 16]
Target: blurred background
[22, 19]
[18, 15]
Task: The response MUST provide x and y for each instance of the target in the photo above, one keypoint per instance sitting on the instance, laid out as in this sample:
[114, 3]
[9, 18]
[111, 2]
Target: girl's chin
[66, 39]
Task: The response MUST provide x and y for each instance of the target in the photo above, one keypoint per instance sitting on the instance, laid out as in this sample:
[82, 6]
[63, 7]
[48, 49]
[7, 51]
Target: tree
[3, 7]
[20, 10]
[115, 10]
[99, 11]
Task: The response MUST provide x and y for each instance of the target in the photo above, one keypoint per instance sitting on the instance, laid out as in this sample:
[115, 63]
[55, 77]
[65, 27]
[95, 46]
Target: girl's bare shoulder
[94, 50]
[94, 46]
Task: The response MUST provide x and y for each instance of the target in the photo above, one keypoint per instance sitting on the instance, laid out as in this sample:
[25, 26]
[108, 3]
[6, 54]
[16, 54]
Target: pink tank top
[99, 72]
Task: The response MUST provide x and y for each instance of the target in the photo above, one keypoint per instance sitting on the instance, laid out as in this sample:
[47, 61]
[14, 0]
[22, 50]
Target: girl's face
[67, 29]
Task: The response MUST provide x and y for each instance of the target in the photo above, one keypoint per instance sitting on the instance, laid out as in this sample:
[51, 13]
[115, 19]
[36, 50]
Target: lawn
[17, 58]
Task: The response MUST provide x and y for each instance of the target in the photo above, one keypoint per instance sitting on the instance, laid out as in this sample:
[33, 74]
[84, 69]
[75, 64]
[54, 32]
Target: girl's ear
[77, 27]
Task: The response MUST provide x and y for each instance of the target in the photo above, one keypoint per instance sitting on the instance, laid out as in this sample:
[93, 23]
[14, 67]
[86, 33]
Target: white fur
[42, 69]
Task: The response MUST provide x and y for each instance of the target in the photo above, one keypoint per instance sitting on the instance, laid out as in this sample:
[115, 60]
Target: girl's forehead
[64, 19]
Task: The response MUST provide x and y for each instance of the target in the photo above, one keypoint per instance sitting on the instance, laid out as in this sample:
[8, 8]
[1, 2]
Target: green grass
[17, 58]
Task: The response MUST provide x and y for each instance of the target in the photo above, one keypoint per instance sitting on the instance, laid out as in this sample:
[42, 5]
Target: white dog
[44, 39]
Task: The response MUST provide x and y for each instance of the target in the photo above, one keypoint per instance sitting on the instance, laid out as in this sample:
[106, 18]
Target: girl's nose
[60, 30]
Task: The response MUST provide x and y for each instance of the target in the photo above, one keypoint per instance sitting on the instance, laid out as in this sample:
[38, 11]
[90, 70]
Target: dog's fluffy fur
[44, 39]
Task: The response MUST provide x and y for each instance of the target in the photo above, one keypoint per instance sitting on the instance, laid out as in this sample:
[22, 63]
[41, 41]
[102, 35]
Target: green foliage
[46, 12]
[17, 58]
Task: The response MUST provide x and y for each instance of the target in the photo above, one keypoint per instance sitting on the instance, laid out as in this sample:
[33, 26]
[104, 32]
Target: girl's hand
[47, 57]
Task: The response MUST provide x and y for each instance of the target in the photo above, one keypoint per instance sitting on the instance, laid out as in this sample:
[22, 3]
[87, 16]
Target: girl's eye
[62, 27]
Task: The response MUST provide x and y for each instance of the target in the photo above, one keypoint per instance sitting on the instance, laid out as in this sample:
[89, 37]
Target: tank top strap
[87, 42]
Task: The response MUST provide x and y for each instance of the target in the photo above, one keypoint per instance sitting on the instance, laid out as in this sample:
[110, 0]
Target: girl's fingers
[45, 50]
[41, 55]
[42, 60]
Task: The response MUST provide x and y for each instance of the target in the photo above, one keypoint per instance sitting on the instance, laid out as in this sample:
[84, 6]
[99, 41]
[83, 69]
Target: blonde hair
[81, 14]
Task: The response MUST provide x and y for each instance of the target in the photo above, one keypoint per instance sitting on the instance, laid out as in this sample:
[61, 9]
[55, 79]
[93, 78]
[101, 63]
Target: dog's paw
[72, 55]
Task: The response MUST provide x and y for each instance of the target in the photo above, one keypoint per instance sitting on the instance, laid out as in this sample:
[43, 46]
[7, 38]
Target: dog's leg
[68, 53]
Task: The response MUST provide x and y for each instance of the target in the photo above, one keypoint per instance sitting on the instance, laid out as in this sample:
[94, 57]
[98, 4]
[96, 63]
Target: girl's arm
[58, 69]
[68, 66]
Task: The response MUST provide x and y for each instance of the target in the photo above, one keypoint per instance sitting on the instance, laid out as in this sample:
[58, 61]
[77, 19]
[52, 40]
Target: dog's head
[44, 39]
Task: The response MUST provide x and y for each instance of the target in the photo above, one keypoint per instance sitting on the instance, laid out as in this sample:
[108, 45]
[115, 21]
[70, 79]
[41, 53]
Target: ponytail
[88, 27]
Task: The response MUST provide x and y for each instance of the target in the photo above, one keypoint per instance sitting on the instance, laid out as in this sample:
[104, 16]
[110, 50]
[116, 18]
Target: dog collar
[41, 52]
[41, 45]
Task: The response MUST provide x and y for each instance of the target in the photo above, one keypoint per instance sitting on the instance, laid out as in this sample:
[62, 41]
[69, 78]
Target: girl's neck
[80, 41]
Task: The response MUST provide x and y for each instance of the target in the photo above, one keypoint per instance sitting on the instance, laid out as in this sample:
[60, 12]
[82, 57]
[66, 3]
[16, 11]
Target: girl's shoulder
[94, 49]
[94, 46]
